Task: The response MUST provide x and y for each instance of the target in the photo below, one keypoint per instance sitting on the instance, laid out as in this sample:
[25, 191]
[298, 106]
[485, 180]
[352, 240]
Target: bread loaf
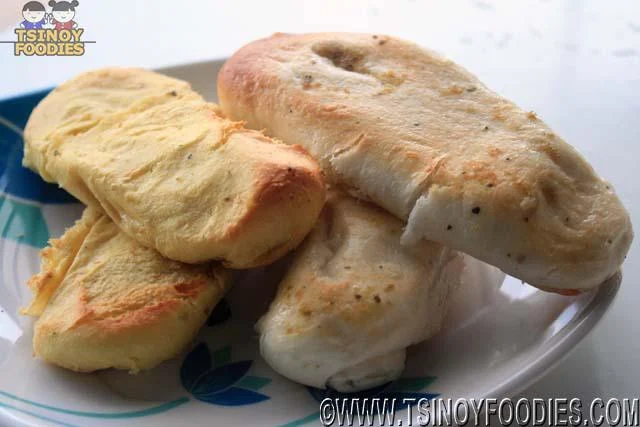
[105, 301]
[423, 138]
[355, 298]
[171, 171]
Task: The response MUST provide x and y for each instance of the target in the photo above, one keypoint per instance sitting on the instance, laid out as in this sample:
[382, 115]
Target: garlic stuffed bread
[171, 171]
[105, 301]
[425, 139]
[354, 298]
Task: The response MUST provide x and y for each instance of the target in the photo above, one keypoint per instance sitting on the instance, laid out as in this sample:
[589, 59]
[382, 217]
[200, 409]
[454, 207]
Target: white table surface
[576, 63]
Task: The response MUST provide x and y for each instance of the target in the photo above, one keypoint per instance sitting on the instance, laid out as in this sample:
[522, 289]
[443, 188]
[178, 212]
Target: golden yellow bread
[422, 137]
[56, 259]
[105, 301]
[171, 171]
[354, 298]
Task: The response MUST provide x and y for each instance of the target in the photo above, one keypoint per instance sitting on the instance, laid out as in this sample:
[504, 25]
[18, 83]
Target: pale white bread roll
[426, 140]
[105, 301]
[171, 171]
[354, 298]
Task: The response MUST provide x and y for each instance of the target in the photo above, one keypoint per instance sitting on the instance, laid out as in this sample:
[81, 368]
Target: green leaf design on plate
[222, 356]
[253, 383]
[158, 409]
[23, 223]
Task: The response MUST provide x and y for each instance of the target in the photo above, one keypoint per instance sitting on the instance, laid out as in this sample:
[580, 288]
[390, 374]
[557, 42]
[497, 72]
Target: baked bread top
[105, 301]
[419, 135]
[171, 171]
[354, 298]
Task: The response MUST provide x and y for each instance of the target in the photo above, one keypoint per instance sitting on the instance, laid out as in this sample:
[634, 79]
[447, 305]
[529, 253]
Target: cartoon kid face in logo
[34, 16]
[53, 33]
[63, 13]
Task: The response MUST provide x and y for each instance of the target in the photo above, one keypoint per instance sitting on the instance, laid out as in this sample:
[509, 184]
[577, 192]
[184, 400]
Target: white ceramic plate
[498, 338]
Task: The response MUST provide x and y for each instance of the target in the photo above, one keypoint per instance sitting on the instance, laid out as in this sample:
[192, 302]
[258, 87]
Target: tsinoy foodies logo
[53, 33]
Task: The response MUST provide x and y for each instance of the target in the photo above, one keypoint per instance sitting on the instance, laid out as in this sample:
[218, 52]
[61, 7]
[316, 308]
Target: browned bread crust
[425, 139]
[354, 299]
[171, 171]
[105, 301]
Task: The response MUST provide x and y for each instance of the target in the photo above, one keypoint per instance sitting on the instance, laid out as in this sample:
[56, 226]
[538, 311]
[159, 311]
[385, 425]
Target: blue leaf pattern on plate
[195, 364]
[216, 380]
[15, 179]
[234, 396]
[223, 382]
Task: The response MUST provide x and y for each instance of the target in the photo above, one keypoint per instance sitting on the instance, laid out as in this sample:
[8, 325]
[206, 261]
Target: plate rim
[546, 357]
[550, 356]
[591, 315]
